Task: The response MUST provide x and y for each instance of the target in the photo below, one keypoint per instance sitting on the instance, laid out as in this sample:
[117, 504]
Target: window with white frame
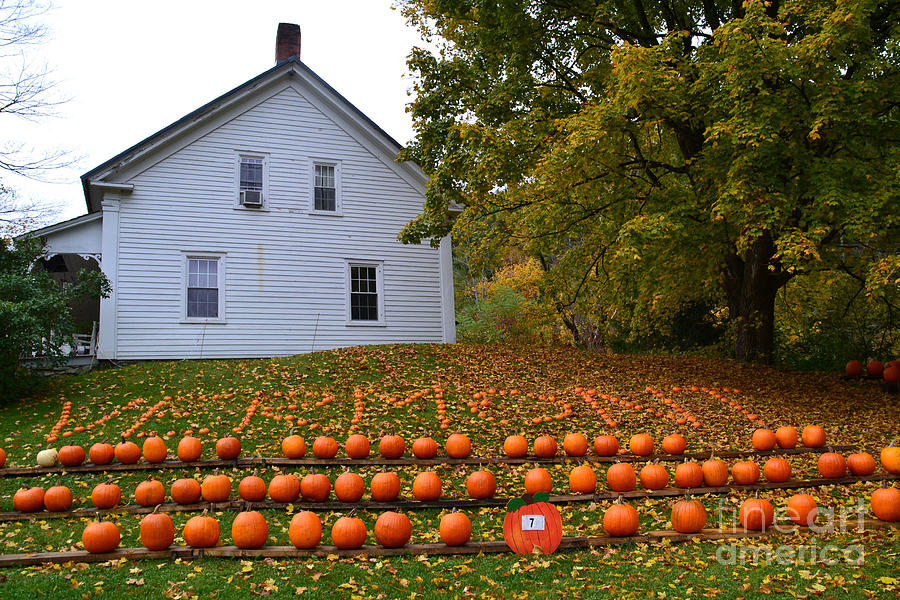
[326, 187]
[252, 172]
[204, 288]
[366, 293]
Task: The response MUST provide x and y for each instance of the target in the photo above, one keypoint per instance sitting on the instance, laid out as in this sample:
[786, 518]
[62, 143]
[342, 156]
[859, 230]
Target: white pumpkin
[48, 457]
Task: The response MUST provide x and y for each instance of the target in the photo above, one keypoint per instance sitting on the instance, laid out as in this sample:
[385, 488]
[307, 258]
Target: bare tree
[27, 92]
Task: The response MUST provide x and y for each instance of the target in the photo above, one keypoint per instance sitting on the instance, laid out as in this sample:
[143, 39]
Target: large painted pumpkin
[532, 522]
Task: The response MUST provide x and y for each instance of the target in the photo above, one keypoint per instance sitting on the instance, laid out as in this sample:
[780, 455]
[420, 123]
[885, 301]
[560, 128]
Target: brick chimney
[287, 42]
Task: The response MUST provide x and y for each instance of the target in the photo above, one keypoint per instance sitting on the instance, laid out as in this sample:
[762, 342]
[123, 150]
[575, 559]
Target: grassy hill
[486, 392]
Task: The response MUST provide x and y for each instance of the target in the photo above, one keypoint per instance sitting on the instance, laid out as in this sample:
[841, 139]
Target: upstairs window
[324, 188]
[325, 195]
[252, 173]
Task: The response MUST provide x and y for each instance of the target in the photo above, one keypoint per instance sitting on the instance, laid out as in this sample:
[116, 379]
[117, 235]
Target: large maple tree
[657, 153]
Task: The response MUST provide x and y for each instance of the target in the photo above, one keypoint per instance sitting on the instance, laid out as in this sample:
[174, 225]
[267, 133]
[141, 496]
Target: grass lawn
[528, 390]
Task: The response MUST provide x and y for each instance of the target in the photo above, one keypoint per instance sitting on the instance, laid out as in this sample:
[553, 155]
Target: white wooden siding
[285, 267]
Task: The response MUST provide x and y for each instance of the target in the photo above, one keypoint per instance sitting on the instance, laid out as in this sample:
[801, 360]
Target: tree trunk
[751, 286]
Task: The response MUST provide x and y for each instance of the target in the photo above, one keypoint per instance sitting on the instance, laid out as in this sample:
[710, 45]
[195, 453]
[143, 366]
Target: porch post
[106, 347]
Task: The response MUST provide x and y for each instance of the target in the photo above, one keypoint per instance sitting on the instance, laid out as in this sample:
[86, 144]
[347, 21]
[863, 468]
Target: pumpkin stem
[620, 499]
[155, 508]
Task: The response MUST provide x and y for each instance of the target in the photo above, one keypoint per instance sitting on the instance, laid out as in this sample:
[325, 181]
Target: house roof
[110, 166]
[62, 226]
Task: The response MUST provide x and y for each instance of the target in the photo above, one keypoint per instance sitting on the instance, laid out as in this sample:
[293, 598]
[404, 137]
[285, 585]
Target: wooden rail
[458, 503]
[486, 547]
[251, 462]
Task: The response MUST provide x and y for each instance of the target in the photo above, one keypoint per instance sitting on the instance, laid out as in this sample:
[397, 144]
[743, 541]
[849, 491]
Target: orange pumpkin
[620, 520]
[786, 436]
[575, 444]
[249, 530]
[853, 368]
[392, 529]
[538, 480]
[425, 448]
[777, 470]
[391, 446]
[157, 531]
[185, 491]
[641, 444]
[674, 444]
[688, 516]
[802, 509]
[621, 477]
[515, 446]
[455, 529]
[756, 514]
[885, 504]
[606, 445]
[293, 446]
[305, 530]
[348, 533]
[874, 368]
[654, 477]
[715, 472]
[101, 537]
[155, 450]
[284, 488]
[358, 447]
[481, 484]
[813, 436]
[315, 487]
[427, 486]
[150, 492]
[688, 475]
[890, 458]
[832, 465]
[127, 453]
[106, 495]
[764, 439]
[458, 446]
[71, 456]
[349, 487]
[228, 448]
[583, 480]
[29, 499]
[2, 458]
[861, 464]
[58, 498]
[201, 531]
[252, 488]
[385, 487]
[745, 472]
[325, 447]
[216, 488]
[189, 449]
[545, 447]
[101, 454]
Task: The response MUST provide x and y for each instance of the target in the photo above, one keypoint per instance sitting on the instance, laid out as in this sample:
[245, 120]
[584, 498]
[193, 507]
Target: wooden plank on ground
[486, 547]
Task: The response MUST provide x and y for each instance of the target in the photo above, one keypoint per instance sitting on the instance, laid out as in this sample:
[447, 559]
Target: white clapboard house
[262, 224]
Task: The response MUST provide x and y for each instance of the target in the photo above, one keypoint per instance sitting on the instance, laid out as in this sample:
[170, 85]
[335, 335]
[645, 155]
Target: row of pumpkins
[393, 530]
[393, 446]
[427, 486]
[890, 372]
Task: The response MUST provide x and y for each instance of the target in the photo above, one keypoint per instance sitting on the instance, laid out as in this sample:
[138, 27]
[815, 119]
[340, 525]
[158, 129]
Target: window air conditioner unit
[252, 199]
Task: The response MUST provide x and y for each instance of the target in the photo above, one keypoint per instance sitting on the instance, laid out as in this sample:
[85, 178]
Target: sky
[128, 68]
